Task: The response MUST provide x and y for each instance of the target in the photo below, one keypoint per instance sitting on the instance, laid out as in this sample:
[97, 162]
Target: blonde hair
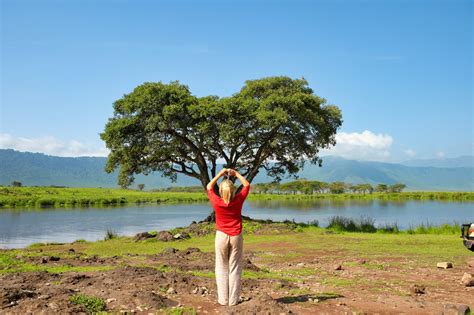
[227, 190]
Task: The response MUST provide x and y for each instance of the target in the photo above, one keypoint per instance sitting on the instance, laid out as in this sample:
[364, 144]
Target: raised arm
[242, 179]
[213, 181]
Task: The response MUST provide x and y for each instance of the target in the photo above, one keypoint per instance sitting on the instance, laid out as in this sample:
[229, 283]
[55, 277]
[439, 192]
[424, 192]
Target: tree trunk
[210, 218]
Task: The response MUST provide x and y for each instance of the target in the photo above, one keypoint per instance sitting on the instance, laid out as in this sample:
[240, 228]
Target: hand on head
[228, 172]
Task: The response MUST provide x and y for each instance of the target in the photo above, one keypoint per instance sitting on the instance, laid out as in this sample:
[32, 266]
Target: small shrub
[110, 234]
[339, 223]
[389, 228]
[182, 310]
[91, 303]
[298, 229]
[364, 224]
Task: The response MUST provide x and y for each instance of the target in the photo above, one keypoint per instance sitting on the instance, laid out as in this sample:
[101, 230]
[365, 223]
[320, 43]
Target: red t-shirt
[228, 216]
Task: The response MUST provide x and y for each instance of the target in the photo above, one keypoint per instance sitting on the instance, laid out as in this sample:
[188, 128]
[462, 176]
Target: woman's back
[229, 216]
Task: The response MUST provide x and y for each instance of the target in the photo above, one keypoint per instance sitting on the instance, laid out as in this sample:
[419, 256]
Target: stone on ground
[444, 265]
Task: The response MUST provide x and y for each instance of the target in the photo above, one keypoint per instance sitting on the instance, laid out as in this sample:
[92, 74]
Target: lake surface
[19, 228]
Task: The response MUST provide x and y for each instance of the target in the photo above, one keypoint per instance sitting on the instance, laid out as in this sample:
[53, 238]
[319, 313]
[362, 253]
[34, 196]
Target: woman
[229, 241]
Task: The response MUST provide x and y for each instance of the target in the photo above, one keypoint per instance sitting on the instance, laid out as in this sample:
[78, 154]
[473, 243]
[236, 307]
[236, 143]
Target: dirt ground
[180, 280]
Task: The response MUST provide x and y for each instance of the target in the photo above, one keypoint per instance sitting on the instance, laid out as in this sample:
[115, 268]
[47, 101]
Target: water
[19, 228]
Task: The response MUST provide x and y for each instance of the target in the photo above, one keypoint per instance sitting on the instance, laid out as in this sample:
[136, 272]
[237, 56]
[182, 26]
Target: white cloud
[50, 145]
[365, 145]
[410, 152]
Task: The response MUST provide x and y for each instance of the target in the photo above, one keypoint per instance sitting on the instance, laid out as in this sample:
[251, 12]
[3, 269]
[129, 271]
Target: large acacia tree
[274, 124]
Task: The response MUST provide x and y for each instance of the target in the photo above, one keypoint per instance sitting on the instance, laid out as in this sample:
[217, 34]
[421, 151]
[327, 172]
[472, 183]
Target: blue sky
[401, 71]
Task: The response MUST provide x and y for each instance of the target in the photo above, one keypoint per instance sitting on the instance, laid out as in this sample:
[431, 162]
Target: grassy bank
[421, 244]
[73, 197]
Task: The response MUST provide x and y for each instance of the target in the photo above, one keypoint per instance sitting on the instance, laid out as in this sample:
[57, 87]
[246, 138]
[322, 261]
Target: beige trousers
[229, 253]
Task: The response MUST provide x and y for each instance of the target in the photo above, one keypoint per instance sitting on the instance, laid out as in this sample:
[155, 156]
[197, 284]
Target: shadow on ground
[308, 297]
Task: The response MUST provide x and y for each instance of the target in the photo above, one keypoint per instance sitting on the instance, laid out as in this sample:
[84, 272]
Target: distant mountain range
[461, 161]
[40, 169]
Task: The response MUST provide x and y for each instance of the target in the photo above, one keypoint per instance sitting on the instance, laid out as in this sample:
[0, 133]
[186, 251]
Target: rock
[201, 290]
[110, 300]
[181, 236]
[300, 264]
[143, 236]
[53, 305]
[54, 258]
[418, 289]
[44, 297]
[171, 290]
[444, 265]
[467, 279]
[71, 250]
[44, 259]
[457, 309]
[164, 236]
[337, 267]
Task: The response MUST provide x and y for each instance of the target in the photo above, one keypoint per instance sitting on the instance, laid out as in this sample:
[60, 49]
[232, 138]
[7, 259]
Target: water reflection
[306, 205]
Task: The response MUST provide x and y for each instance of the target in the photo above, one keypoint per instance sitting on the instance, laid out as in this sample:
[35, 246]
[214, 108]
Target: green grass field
[76, 197]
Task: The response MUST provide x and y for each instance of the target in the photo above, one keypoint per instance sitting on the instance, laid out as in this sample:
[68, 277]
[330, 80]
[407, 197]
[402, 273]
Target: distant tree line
[309, 187]
[318, 187]
[16, 183]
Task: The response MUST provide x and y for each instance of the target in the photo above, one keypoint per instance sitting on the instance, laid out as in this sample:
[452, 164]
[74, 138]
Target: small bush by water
[364, 224]
[389, 228]
[110, 234]
[367, 225]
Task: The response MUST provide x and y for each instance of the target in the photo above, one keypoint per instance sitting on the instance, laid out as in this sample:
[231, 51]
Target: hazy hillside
[461, 161]
[40, 169]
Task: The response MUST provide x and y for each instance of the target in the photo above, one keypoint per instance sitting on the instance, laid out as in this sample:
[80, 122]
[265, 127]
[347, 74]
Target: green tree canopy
[381, 188]
[396, 188]
[274, 123]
